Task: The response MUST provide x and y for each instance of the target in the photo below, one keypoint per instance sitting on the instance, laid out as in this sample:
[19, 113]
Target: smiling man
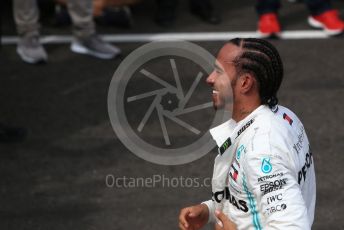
[264, 173]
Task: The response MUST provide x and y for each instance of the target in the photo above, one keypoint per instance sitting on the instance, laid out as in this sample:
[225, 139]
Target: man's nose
[211, 78]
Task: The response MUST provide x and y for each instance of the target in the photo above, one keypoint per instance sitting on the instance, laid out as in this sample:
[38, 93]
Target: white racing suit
[264, 173]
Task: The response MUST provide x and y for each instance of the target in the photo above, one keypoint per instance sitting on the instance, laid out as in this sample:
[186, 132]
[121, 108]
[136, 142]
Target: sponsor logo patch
[225, 146]
[308, 162]
[226, 194]
[277, 208]
[266, 165]
[234, 170]
[244, 127]
[287, 118]
[273, 186]
[267, 177]
[300, 138]
[274, 198]
[239, 151]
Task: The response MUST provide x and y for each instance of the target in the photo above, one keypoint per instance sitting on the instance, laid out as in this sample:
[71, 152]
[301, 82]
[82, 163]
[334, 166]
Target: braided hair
[260, 58]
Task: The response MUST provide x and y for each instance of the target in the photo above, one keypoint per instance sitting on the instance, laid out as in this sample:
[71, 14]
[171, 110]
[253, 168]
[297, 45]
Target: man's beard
[225, 102]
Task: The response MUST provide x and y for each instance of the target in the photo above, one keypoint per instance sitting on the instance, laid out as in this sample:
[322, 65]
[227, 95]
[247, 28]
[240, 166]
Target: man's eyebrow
[218, 67]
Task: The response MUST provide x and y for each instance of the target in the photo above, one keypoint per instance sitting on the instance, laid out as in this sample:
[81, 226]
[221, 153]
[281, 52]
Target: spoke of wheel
[181, 123]
[148, 94]
[191, 90]
[163, 127]
[193, 108]
[176, 78]
[158, 80]
[148, 113]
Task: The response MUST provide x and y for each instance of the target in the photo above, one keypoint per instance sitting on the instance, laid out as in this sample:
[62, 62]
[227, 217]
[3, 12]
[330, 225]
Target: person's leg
[205, 10]
[81, 13]
[323, 16]
[268, 24]
[86, 41]
[166, 12]
[317, 7]
[267, 6]
[167, 3]
[26, 17]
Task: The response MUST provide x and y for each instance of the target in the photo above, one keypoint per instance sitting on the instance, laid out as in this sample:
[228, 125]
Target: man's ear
[247, 82]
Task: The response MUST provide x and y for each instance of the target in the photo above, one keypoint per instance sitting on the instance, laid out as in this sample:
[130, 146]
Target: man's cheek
[215, 97]
[218, 101]
[226, 96]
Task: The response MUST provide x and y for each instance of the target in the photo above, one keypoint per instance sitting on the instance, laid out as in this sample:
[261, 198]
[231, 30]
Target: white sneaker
[30, 49]
[93, 45]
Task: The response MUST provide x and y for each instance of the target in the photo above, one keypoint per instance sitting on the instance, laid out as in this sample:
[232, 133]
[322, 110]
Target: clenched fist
[193, 217]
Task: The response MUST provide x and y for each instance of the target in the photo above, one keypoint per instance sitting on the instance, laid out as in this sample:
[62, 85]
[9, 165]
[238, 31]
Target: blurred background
[59, 153]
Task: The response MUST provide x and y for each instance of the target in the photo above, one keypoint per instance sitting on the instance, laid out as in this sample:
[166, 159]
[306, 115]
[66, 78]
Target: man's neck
[242, 111]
